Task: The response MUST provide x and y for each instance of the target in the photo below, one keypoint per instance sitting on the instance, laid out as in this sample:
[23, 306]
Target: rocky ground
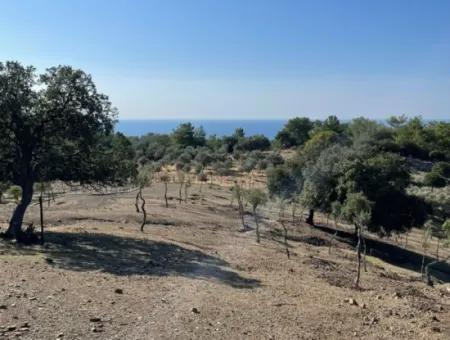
[193, 274]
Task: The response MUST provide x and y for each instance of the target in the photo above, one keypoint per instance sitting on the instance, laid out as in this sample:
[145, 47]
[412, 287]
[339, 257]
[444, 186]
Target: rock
[436, 329]
[363, 306]
[11, 328]
[378, 297]
[60, 335]
[3, 307]
[351, 301]
[118, 291]
[195, 310]
[96, 330]
[434, 318]
[95, 319]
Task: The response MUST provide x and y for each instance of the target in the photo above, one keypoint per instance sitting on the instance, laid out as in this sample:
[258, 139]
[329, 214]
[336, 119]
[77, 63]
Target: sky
[244, 59]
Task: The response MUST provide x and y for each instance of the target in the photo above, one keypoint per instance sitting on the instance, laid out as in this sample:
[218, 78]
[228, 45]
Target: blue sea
[269, 128]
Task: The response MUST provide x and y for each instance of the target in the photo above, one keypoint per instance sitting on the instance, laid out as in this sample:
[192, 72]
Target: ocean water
[269, 128]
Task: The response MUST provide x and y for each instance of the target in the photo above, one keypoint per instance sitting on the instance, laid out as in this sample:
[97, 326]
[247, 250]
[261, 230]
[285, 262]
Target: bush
[15, 191]
[434, 180]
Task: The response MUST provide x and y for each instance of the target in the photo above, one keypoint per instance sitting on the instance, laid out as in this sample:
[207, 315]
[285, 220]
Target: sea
[268, 128]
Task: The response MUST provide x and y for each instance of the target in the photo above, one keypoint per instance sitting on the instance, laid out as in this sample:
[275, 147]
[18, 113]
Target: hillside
[192, 274]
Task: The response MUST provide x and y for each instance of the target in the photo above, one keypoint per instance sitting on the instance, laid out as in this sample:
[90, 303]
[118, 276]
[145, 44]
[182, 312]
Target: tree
[397, 121]
[183, 135]
[256, 197]
[281, 182]
[4, 186]
[357, 210]
[434, 180]
[445, 228]
[238, 193]
[181, 178]
[165, 178]
[143, 179]
[53, 127]
[295, 132]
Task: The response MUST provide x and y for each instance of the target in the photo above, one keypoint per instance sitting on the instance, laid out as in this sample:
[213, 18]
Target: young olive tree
[143, 179]
[181, 177]
[445, 228]
[256, 198]
[56, 126]
[357, 210]
[165, 178]
[238, 193]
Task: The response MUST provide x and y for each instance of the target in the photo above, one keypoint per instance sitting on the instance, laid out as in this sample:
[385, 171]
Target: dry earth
[192, 274]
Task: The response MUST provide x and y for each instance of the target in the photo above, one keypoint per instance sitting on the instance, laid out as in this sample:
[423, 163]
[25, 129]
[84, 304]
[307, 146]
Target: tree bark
[358, 250]
[15, 224]
[144, 220]
[258, 238]
[41, 215]
[180, 198]
[286, 245]
[136, 204]
[310, 218]
[165, 194]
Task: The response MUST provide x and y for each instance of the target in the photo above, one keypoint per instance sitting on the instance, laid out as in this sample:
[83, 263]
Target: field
[193, 274]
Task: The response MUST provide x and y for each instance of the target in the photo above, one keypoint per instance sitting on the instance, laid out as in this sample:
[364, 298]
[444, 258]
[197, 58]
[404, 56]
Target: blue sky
[245, 59]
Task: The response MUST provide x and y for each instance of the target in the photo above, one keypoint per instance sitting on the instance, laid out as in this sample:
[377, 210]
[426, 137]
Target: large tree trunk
[15, 224]
[310, 218]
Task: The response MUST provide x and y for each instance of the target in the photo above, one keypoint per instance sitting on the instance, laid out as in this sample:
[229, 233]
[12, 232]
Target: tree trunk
[165, 194]
[358, 250]
[41, 214]
[15, 224]
[241, 213]
[144, 220]
[310, 218]
[294, 209]
[137, 200]
[180, 198]
[286, 245]
[258, 238]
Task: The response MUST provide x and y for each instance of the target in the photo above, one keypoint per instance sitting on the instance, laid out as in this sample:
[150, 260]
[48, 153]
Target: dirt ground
[193, 274]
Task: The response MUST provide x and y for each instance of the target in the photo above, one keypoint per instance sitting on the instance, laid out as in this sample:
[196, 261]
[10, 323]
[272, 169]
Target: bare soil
[193, 274]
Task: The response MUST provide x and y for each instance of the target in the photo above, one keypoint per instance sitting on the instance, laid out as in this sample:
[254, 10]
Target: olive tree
[143, 179]
[256, 198]
[357, 210]
[54, 126]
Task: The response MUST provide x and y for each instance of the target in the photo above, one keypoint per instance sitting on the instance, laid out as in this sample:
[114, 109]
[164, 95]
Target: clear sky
[232, 59]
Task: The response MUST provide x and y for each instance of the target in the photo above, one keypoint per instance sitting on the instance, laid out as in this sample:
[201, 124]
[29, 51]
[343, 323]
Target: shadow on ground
[393, 254]
[131, 256]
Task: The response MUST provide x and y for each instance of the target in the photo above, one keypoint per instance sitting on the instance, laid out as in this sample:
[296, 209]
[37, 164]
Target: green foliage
[187, 135]
[15, 192]
[281, 182]
[295, 132]
[434, 180]
[256, 197]
[256, 142]
[356, 209]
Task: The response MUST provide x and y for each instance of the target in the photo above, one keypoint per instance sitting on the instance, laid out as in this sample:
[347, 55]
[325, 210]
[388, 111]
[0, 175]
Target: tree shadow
[120, 255]
[393, 254]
